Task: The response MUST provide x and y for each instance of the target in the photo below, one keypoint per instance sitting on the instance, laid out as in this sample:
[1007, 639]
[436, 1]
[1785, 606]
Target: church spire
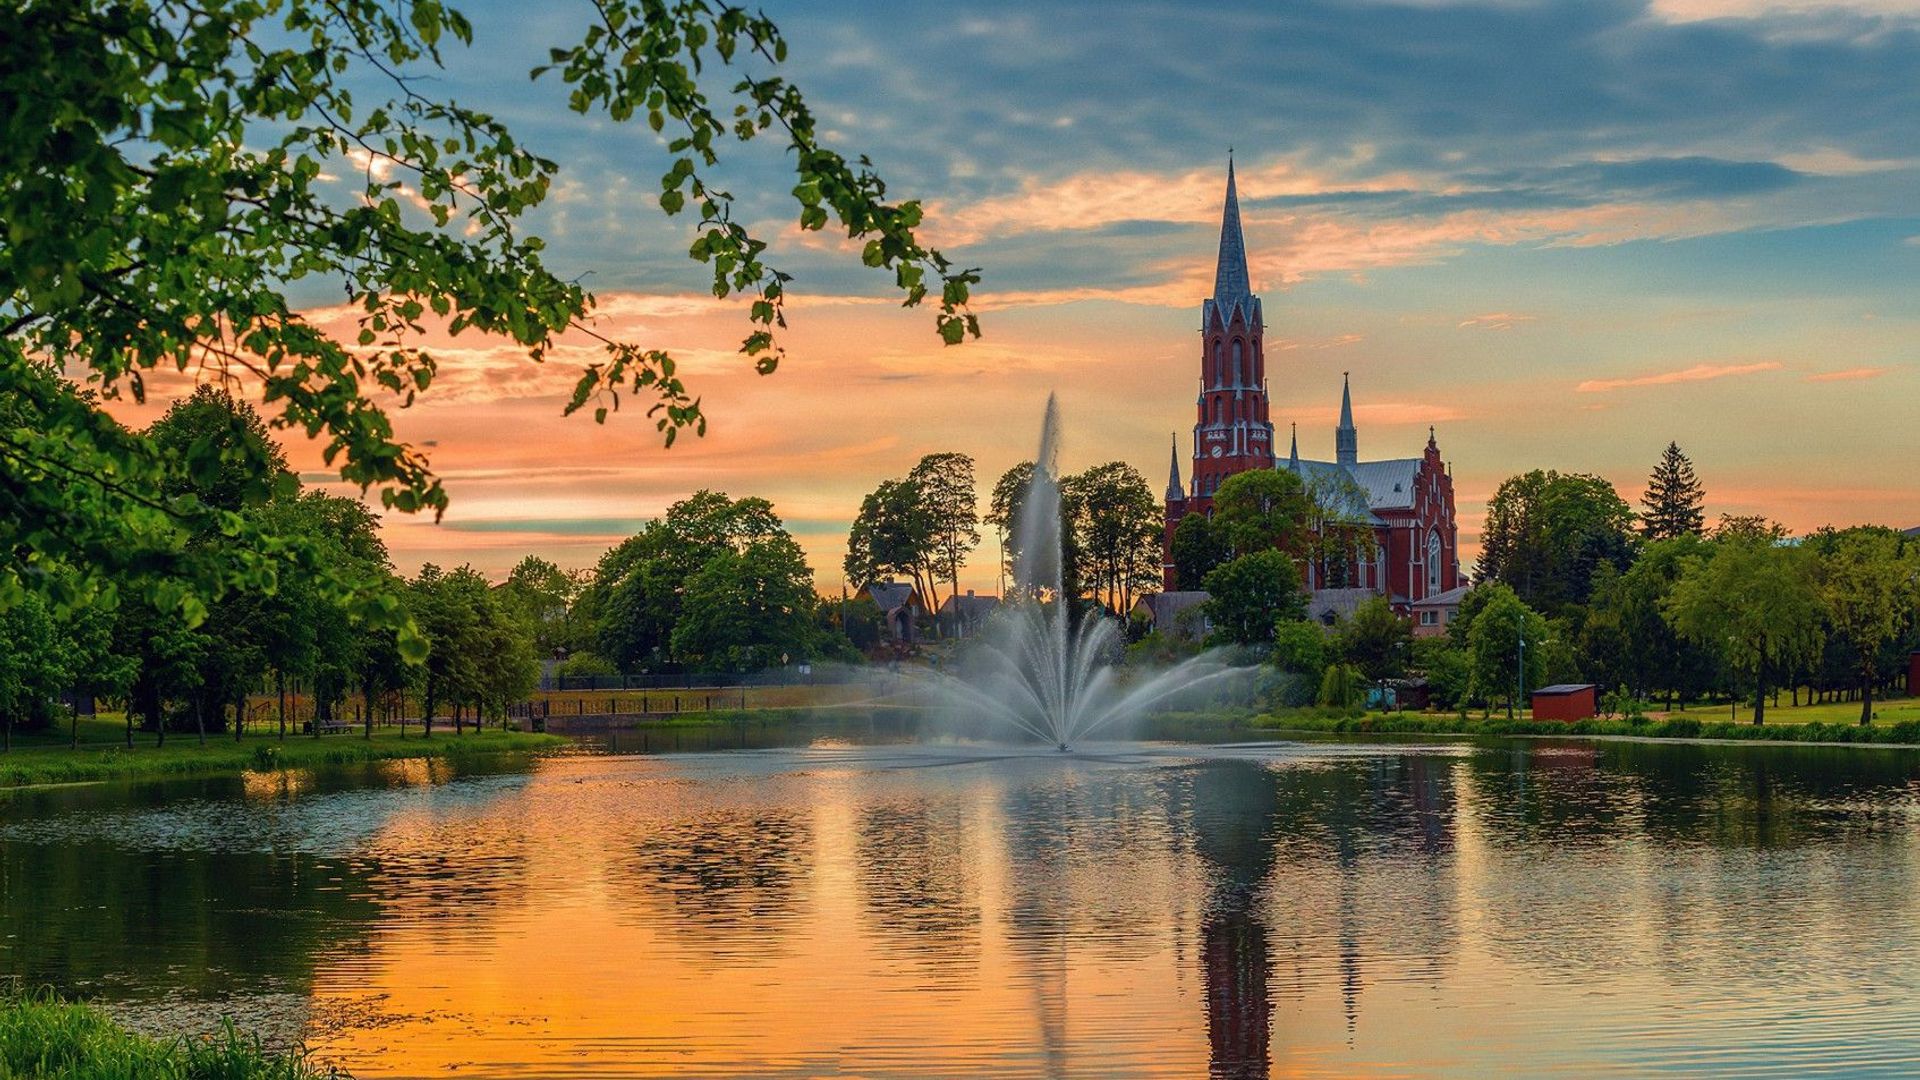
[1346, 439]
[1230, 281]
[1175, 492]
[1293, 452]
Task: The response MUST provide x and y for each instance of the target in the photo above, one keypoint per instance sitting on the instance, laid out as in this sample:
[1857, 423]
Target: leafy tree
[1673, 498]
[1197, 549]
[1869, 587]
[1118, 524]
[1547, 532]
[749, 609]
[1447, 668]
[1261, 509]
[544, 596]
[1300, 650]
[1003, 508]
[170, 177]
[1504, 647]
[1375, 641]
[479, 655]
[1754, 604]
[1627, 638]
[892, 535]
[944, 484]
[639, 586]
[34, 665]
[1338, 533]
[1248, 596]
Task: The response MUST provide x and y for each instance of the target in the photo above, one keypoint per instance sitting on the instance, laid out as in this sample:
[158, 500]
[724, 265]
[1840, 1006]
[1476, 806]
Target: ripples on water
[954, 910]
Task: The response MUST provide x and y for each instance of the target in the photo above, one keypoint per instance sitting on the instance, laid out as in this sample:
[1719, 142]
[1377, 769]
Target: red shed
[1566, 701]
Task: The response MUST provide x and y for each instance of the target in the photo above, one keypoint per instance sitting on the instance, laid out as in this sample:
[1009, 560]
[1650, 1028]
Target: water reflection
[895, 909]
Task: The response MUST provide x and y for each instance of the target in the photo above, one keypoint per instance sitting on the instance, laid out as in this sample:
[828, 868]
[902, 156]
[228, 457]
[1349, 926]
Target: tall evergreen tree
[1673, 498]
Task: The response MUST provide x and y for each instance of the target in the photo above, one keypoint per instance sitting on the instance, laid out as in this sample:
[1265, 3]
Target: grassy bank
[50, 762]
[1903, 731]
[48, 1039]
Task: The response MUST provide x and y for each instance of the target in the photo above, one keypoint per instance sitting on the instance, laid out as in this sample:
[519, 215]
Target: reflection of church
[1405, 503]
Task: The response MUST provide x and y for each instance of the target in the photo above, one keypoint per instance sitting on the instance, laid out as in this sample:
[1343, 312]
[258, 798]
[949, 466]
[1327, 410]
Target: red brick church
[1407, 503]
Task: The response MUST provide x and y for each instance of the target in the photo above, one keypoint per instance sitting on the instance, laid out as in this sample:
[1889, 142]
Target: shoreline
[42, 767]
[1902, 735]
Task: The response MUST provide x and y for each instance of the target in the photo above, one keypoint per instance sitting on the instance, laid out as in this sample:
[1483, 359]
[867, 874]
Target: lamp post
[1520, 665]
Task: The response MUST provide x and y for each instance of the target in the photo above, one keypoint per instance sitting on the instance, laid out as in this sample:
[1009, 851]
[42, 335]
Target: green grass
[47, 757]
[1698, 725]
[1888, 712]
[51, 1040]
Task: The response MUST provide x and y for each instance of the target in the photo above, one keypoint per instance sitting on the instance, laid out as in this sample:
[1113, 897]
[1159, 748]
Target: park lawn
[48, 758]
[1889, 711]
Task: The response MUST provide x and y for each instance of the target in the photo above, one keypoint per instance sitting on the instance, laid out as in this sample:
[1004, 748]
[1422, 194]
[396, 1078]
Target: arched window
[1216, 410]
[1236, 363]
[1219, 365]
[1433, 562]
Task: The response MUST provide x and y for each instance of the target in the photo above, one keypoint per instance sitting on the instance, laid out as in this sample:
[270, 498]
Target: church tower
[1232, 432]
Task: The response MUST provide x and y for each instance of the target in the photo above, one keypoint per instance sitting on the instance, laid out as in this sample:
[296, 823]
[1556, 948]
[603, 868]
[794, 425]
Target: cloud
[1848, 375]
[1696, 373]
[1496, 321]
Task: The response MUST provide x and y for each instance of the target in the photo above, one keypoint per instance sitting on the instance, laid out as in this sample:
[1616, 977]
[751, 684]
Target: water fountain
[1038, 670]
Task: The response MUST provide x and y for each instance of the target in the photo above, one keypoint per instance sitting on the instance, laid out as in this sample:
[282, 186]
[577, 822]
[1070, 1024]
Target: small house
[1566, 701]
[900, 609]
[963, 615]
[1175, 614]
[1432, 614]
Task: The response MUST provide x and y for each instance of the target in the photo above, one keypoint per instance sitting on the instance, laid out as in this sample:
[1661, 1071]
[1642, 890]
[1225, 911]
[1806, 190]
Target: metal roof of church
[1388, 484]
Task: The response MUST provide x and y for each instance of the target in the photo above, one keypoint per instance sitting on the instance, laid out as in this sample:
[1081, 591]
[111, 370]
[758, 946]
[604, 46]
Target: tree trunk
[280, 688]
[1760, 694]
[366, 699]
[1866, 697]
[200, 719]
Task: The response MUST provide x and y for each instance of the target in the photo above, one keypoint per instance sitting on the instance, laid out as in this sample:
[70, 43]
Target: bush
[51, 1040]
[1340, 688]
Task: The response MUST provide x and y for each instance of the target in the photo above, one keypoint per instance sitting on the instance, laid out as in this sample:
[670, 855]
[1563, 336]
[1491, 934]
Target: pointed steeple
[1293, 452]
[1346, 439]
[1175, 491]
[1230, 281]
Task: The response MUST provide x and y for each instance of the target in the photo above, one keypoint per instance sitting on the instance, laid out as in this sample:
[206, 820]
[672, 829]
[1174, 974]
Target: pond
[856, 904]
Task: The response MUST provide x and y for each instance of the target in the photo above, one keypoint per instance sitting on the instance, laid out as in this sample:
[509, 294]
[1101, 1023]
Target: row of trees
[923, 526]
[1663, 608]
[288, 634]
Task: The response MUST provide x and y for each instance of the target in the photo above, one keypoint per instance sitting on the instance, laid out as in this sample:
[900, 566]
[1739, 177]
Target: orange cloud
[1849, 375]
[1496, 321]
[1696, 373]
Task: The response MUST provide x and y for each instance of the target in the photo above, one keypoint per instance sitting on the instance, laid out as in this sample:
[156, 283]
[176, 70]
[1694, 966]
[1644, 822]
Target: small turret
[1175, 491]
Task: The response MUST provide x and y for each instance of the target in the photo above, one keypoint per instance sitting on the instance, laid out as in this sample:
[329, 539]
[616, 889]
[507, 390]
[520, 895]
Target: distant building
[1403, 507]
[1176, 614]
[1566, 701]
[1330, 607]
[900, 609]
[964, 615]
[1432, 615]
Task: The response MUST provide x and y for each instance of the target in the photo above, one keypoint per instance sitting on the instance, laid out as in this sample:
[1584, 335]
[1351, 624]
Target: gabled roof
[889, 595]
[1565, 688]
[1165, 605]
[969, 606]
[1388, 485]
[1450, 598]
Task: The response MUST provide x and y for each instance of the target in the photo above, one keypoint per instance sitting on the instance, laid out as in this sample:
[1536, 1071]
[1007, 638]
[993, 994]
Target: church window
[1219, 365]
[1433, 562]
[1236, 363]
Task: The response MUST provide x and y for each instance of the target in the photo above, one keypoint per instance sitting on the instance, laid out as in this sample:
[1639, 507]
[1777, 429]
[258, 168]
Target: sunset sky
[1563, 234]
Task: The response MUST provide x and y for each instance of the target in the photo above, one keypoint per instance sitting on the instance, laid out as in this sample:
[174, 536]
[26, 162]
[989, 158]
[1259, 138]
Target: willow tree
[167, 174]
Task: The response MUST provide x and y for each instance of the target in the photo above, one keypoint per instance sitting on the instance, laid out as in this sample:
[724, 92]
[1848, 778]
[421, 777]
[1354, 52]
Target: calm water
[856, 909]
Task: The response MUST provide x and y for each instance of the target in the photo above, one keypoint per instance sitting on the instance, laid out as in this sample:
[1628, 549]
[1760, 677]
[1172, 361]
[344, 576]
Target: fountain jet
[1037, 669]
